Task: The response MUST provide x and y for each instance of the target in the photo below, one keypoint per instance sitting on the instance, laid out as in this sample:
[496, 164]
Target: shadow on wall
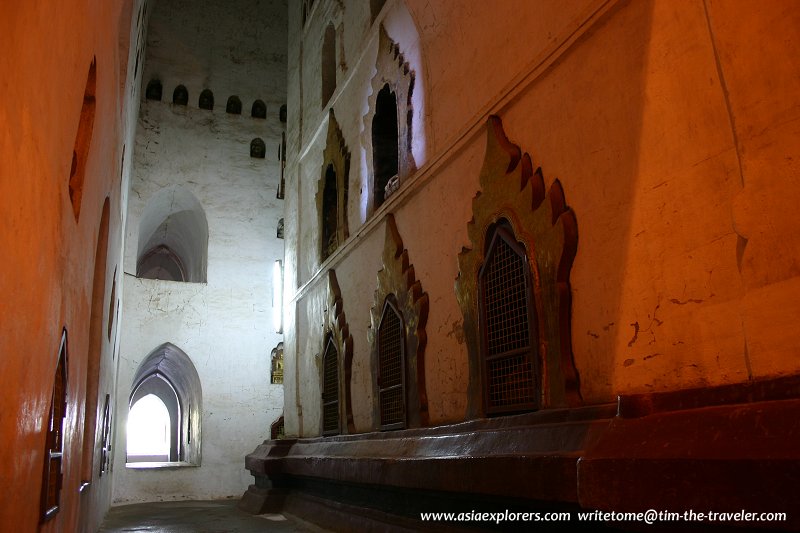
[592, 143]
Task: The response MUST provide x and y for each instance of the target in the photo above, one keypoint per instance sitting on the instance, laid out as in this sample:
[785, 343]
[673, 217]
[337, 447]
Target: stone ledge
[672, 451]
[721, 459]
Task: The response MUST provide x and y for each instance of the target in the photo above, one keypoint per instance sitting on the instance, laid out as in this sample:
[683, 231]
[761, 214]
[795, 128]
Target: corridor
[215, 516]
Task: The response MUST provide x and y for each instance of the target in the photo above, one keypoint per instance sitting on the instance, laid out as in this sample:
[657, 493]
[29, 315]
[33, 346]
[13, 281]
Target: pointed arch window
[332, 191]
[54, 441]
[384, 144]
[330, 388]
[92, 377]
[388, 122]
[397, 339]
[150, 429]
[83, 140]
[173, 238]
[513, 286]
[508, 325]
[391, 368]
[164, 410]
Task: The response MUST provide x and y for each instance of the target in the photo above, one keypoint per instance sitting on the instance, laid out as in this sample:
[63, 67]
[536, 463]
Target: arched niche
[180, 96]
[234, 105]
[173, 238]
[168, 373]
[259, 109]
[153, 91]
[399, 295]
[92, 376]
[337, 341]
[385, 164]
[332, 190]
[206, 100]
[258, 149]
[539, 230]
[388, 122]
[83, 140]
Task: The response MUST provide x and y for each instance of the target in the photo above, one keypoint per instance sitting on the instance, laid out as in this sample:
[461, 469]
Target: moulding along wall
[473, 129]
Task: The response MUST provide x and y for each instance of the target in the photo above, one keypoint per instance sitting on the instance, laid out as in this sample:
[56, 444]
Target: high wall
[65, 130]
[186, 157]
[671, 127]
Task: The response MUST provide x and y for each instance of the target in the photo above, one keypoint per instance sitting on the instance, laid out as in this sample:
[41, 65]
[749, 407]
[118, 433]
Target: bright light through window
[277, 296]
[148, 430]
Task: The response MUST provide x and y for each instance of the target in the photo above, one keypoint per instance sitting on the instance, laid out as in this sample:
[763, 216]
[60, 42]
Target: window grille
[53, 478]
[391, 369]
[105, 451]
[508, 326]
[330, 390]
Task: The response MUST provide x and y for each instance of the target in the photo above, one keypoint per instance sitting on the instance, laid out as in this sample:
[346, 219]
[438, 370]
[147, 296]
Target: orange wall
[47, 269]
[673, 129]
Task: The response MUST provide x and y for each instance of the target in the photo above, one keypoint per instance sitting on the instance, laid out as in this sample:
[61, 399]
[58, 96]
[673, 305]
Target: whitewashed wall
[225, 326]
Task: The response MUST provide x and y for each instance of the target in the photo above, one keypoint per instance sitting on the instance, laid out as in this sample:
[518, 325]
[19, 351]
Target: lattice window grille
[330, 389]
[508, 317]
[391, 369]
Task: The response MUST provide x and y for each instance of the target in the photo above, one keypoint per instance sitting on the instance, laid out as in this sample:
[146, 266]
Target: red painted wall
[46, 272]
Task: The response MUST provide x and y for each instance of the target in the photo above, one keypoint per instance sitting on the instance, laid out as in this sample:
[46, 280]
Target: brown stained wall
[757, 50]
[48, 259]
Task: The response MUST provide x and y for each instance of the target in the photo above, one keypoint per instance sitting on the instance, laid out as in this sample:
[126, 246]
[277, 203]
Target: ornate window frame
[337, 332]
[541, 221]
[397, 281]
[331, 398]
[335, 155]
[393, 70]
[512, 363]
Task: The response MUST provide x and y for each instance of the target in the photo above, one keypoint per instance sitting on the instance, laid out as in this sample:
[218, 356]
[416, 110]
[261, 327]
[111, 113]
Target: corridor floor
[217, 516]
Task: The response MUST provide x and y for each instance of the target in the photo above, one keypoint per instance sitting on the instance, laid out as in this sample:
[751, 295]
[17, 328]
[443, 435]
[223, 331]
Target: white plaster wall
[225, 326]
[132, 25]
